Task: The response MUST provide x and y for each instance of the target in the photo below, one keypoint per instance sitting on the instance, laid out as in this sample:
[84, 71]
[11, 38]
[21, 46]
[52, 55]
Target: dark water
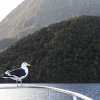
[90, 90]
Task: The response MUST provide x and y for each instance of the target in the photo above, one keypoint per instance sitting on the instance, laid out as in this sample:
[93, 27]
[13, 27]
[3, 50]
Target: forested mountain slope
[68, 51]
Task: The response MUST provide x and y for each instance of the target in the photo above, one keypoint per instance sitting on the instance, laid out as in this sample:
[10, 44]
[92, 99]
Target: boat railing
[74, 95]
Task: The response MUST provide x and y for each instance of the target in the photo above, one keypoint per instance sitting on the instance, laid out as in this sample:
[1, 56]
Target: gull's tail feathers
[7, 74]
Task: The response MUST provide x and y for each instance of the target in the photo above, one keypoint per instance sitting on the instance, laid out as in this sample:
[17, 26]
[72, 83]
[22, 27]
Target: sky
[6, 6]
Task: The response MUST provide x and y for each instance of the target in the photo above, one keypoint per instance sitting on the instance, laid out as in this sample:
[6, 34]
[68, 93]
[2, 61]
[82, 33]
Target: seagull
[17, 74]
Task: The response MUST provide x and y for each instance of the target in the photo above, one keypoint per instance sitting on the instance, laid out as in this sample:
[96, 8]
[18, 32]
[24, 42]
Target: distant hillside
[68, 51]
[32, 15]
[5, 43]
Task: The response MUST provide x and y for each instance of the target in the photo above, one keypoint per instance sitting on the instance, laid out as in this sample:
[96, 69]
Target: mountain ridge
[32, 15]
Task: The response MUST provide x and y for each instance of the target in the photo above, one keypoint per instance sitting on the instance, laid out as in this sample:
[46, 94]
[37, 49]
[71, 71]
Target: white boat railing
[74, 95]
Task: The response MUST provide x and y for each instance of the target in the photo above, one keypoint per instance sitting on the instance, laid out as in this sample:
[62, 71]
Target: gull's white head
[24, 64]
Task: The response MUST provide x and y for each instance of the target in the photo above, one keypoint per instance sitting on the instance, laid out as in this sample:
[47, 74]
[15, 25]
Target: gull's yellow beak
[28, 65]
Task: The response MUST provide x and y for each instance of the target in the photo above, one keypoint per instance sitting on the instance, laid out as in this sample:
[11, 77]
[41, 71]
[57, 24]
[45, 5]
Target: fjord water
[90, 90]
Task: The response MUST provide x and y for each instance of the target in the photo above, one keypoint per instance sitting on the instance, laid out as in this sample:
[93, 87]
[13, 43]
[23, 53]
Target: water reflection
[23, 94]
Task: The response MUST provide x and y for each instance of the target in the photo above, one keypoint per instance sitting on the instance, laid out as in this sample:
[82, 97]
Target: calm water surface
[90, 90]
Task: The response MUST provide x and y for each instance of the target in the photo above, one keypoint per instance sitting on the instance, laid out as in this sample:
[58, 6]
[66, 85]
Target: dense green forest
[68, 51]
